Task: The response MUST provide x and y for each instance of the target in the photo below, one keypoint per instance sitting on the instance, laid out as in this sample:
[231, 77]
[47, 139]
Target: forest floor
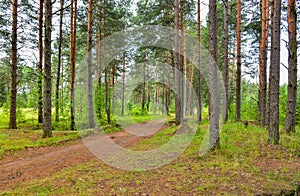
[38, 163]
[245, 165]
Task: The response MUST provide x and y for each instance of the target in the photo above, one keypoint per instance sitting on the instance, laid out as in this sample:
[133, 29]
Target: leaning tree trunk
[290, 121]
[214, 139]
[274, 77]
[263, 62]
[238, 64]
[225, 69]
[47, 124]
[59, 61]
[14, 50]
[89, 68]
[40, 65]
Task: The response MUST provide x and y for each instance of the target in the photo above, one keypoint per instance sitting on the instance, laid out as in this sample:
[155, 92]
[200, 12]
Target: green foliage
[282, 104]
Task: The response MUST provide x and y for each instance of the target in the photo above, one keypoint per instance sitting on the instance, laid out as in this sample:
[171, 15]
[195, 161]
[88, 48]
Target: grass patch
[245, 165]
[12, 140]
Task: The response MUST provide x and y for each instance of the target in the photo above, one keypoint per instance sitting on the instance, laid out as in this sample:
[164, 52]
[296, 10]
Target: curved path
[38, 163]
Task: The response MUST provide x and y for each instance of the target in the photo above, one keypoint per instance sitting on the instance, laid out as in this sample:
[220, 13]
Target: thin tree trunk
[274, 77]
[214, 139]
[123, 82]
[290, 121]
[263, 62]
[144, 83]
[225, 69]
[73, 17]
[47, 131]
[177, 66]
[199, 61]
[59, 62]
[270, 70]
[14, 50]
[40, 66]
[91, 123]
[182, 61]
[98, 57]
[238, 64]
[107, 97]
[190, 100]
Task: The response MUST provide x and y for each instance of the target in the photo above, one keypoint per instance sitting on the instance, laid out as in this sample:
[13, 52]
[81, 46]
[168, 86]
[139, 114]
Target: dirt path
[38, 163]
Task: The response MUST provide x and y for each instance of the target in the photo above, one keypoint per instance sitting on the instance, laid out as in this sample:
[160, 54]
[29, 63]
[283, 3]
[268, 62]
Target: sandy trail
[38, 163]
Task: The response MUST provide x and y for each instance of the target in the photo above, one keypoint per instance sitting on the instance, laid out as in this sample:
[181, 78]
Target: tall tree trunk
[144, 83]
[123, 82]
[177, 66]
[238, 64]
[290, 121]
[73, 13]
[14, 50]
[40, 66]
[270, 70]
[47, 131]
[98, 59]
[263, 62]
[199, 61]
[191, 95]
[91, 123]
[182, 61]
[214, 139]
[274, 77]
[225, 68]
[107, 97]
[59, 61]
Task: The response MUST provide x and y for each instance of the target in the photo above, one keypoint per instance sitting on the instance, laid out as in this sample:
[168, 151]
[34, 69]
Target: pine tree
[14, 50]
[292, 70]
[214, 139]
[238, 64]
[40, 65]
[47, 124]
[274, 75]
[263, 62]
[89, 67]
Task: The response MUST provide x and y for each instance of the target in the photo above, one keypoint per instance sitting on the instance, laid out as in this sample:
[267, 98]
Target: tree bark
[14, 50]
[107, 97]
[47, 130]
[290, 121]
[98, 59]
[199, 62]
[59, 61]
[177, 66]
[225, 68]
[238, 64]
[214, 139]
[91, 123]
[182, 62]
[123, 83]
[144, 83]
[40, 65]
[263, 62]
[270, 70]
[274, 77]
[73, 13]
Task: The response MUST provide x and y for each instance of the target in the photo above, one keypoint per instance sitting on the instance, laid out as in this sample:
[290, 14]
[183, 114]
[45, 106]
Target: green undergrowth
[244, 165]
[13, 140]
